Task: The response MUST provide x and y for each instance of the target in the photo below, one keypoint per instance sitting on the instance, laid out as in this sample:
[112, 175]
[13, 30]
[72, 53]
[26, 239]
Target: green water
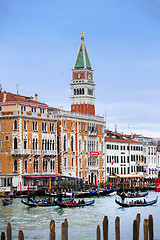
[82, 222]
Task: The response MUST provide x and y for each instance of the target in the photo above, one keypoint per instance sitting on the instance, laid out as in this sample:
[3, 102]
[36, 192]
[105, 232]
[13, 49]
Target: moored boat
[6, 201]
[35, 203]
[132, 195]
[73, 205]
[133, 204]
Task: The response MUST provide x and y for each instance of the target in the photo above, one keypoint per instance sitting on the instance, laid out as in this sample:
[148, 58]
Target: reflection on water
[82, 221]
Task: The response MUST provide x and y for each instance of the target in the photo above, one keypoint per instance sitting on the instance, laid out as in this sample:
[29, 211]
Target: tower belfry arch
[82, 84]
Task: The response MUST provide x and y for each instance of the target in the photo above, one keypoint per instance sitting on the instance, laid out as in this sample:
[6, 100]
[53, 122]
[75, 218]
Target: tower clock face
[89, 76]
[79, 76]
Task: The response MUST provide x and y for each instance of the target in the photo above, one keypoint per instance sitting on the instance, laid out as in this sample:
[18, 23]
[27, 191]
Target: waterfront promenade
[82, 222]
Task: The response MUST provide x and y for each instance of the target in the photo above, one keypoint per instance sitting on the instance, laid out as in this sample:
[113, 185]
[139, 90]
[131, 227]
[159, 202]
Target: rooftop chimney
[36, 97]
[4, 96]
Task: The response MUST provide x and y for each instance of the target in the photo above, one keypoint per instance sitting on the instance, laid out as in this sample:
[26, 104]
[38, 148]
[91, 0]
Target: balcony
[92, 133]
[49, 152]
[93, 168]
[22, 152]
[36, 152]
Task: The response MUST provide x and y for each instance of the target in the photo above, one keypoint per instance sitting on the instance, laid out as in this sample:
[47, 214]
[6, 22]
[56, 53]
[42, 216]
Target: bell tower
[82, 84]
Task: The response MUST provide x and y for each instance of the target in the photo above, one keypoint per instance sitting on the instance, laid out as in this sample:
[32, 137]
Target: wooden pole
[150, 227]
[145, 228]
[9, 232]
[52, 230]
[138, 218]
[105, 228]
[117, 228]
[3, 236]
[98, 233]
[66, 228]
[20, 235]
[135, 230]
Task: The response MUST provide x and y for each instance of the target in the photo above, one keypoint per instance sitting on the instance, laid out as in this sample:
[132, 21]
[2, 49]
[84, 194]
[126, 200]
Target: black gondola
[68, 205]
[6, 201]
[144, 204]
[132, 195]
[38, 204]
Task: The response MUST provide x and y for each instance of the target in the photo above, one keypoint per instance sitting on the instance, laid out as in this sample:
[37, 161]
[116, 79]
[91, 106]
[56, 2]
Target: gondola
[55, 195]
[6, 201]
[136, 204]
[83, 194]
[68, 205]
[38, 203]
[107, 192]
[132, 195]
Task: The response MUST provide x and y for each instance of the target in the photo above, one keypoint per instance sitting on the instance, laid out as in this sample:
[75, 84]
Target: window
[79, 145]
[23, 108]
[65, 162]
[74, 91]
[36, 126]
[25, 143]
[25, 125]
[15, 125]
[65, 143]
[15, 166]
[6, 138]
[42, 144]
[80, 127]
[72, 126]
[97, 147]
[33, 109]
[85, 128]
[64, 125]
[72, 143]
[72, 162]
[15, 144]
[25, 166]
[80, 163]
[85, 146]
[51, 127]
[44, 165]
[52, 165]
[41, 110]
[35, 165]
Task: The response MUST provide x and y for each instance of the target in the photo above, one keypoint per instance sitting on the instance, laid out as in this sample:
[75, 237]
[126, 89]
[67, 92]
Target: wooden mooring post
[105, 228]
[3, 236]
[98, 233]
[138, 219]
[52, 230]
[150, 227]
[117, 228]
[64, 230]
[20, 235]
[145, 229]
[9, 232]
[135, 230]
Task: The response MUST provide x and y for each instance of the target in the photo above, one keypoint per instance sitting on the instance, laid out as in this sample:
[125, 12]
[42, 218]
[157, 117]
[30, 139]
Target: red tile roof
[11, 97]
[122, 140]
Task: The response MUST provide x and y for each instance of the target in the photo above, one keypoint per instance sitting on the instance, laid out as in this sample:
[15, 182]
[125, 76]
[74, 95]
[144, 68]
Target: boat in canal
[35, 203]
[132, 195]
[6, 201]
[136, 204]
[73, 205]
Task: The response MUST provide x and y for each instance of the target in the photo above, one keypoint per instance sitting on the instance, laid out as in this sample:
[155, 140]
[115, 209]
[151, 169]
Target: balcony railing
[20, 151]
[36, 152]
[49, 152]
[93, 168]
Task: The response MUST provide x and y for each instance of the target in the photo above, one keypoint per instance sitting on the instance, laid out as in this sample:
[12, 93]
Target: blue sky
[39, 41]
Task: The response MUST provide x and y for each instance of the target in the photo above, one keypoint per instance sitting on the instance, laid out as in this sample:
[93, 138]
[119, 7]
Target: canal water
[82, 222]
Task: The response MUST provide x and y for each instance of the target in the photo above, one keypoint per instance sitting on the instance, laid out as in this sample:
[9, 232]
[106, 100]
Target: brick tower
[82, 84]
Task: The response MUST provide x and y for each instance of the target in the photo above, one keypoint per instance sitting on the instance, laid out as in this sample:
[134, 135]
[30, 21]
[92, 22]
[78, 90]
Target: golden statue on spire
[82, 34]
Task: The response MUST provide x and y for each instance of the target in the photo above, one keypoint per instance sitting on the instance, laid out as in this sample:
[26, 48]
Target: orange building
[38, 141]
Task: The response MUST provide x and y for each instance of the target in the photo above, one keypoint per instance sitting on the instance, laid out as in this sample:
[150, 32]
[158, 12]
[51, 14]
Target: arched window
[52, 165]
[45, 127]
[45, 144]
[25, 143]
[82, 91]
[50, 147]
[15, 143]
[42, 126]
[35, 165]
[65, 143]
[48, 144]
[42, 144]
[15, 166]
[72, 143]
[44, 165]
[85, 146]
[53, 145]
[33, 144]
[77, 91]
[33, 125]
[36, 143]
[25, 166]
[36, 126]
[74, 91]
[15, 125]
[79, 145]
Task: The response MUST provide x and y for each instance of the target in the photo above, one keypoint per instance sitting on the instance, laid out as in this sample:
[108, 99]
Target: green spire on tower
[82, 59]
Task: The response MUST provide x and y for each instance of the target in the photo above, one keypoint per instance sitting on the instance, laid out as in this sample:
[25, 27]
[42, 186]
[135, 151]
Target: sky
[39, 41]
